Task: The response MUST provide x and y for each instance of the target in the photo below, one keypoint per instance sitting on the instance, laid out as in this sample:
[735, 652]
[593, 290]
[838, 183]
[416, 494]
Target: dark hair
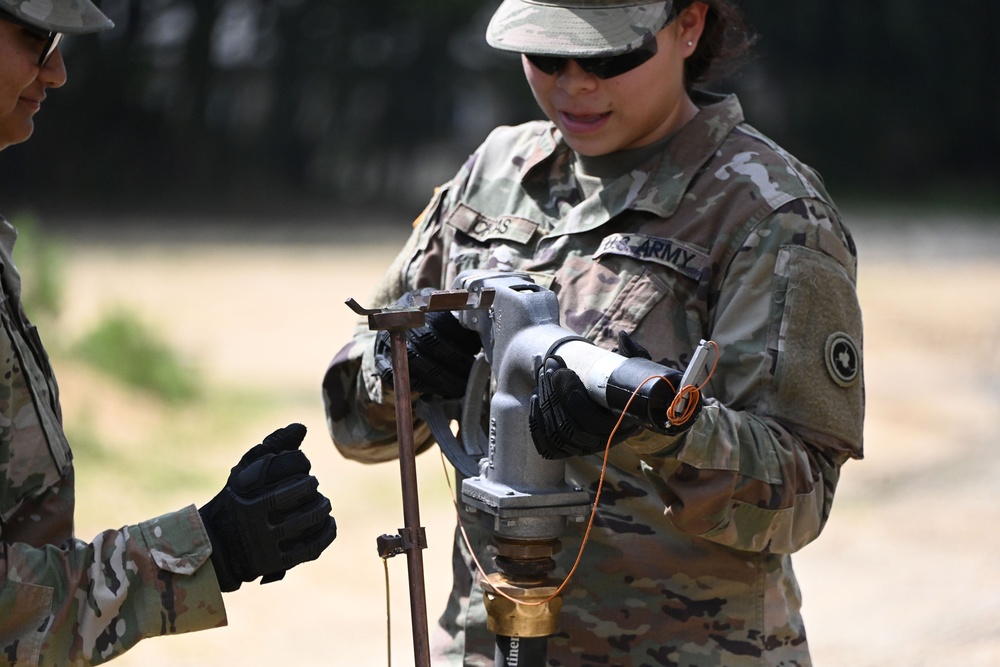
[724, 45]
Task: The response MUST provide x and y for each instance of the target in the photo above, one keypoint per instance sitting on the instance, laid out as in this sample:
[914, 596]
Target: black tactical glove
[627, 347]
[564, 421]
[270, 516]
[440, 354]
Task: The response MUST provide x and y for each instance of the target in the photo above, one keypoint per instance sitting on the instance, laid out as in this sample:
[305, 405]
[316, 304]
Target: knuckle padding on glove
[261, 473]
[440, 354]
[254, 453]
[289, 512]
[292, 494]
[270, 516]
[303, 524]
[579, 406]
[435, 365]
[308, 550]
[563, 419]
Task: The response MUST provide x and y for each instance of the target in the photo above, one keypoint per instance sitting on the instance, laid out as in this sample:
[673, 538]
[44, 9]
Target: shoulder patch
[687, 259]
[842, 359]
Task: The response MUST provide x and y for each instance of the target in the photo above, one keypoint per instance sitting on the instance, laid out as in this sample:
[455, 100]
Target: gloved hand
[270, 516]
[440, 354]
[564, 420]
[627, 347]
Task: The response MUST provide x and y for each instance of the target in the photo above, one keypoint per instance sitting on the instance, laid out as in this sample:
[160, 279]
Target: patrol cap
[576, 28]
[74, 17]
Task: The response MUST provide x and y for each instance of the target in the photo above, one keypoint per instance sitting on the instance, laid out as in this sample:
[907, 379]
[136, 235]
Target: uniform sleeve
[361, 416]
[785, 407]
[83, 603]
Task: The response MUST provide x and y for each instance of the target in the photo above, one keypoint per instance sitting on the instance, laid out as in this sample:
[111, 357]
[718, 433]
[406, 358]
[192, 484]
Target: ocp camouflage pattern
[719, 235]
[64, 601]
[558, 29]
[68, 16]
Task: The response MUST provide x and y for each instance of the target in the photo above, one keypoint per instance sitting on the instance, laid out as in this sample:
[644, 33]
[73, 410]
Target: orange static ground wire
[690, 392]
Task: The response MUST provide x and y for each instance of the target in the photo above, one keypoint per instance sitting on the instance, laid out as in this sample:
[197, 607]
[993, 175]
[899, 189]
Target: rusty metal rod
[411, 502]
[411, 539]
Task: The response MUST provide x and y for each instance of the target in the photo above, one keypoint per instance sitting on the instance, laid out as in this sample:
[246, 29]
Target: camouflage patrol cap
[74, 17]
[576, 28]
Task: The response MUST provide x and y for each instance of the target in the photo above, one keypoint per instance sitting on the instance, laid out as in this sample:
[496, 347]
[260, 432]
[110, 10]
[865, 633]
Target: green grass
[176, 454]
[120, 345]
[124, 347]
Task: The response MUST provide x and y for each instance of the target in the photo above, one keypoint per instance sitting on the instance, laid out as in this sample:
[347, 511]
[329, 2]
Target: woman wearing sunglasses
[649, 206]
[31, 64]
[64, 601]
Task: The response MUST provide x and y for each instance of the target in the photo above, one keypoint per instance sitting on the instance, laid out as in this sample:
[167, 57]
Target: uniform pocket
[625, 308]
[27, 611]
[600, 298]
[33, 434]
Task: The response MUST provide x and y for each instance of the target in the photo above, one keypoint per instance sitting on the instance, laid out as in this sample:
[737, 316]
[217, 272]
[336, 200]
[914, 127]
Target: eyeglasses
[51, 39]
[603, 68]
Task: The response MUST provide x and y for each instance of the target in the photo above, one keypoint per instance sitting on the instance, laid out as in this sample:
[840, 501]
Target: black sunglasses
[603, 68]
[52, 39]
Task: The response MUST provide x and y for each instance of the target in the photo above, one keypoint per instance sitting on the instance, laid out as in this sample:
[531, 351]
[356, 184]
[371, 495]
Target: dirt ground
[906, 574]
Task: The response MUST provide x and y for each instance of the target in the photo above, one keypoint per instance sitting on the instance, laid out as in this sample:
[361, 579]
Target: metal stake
[411, 502]
[412, 538]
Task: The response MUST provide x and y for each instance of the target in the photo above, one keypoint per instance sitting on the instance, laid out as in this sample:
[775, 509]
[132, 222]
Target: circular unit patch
[843, 361]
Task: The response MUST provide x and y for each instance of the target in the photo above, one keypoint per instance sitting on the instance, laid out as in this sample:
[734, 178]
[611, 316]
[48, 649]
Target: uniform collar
[659, 185]
[10, 278]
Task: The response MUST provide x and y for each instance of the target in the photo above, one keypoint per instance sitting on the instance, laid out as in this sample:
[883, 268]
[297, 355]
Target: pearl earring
[690, 43]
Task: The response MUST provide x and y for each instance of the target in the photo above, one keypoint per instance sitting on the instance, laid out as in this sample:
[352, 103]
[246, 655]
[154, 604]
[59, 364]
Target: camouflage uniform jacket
[723, 236]
[63, 601]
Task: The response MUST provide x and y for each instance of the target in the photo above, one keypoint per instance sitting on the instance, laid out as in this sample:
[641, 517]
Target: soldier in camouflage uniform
[652, 208]
[67, 602]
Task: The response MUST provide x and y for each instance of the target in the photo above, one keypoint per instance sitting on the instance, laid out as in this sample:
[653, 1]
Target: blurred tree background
[243, 106]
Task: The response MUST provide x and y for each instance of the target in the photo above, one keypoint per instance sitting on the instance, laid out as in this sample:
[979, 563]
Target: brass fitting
[511, 619]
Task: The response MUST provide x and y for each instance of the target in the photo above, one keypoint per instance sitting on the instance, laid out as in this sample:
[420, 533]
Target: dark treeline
[214, 105]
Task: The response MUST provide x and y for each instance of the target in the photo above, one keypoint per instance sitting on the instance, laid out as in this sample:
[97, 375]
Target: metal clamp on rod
[393, 545]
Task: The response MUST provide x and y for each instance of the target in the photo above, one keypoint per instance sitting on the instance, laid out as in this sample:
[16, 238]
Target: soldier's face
[22, 81]
[600, 116]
